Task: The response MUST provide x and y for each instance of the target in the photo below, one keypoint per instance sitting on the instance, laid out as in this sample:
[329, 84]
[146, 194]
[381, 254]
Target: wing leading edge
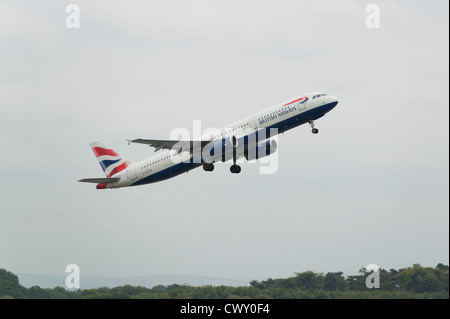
[170, 144]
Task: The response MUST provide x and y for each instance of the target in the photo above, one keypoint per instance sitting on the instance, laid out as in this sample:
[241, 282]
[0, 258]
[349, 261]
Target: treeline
[411, 282]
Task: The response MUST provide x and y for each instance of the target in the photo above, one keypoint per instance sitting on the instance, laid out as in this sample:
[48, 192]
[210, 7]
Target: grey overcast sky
[371, 188]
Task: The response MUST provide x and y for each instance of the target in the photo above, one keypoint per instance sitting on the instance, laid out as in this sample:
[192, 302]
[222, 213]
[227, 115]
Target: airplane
[250, 138]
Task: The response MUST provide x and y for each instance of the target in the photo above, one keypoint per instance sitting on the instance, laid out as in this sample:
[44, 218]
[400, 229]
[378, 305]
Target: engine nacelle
[261, 150]
[219, 149]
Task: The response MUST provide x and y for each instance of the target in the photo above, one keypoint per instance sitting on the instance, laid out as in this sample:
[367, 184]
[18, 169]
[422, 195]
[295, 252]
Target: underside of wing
[99, 180]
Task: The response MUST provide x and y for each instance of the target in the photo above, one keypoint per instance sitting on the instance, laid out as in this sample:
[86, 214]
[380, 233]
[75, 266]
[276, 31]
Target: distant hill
[93, 282]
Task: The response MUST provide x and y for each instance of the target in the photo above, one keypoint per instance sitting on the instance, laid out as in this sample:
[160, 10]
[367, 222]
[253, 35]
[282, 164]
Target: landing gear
[314, 130]
[235, 169]
[208, 167]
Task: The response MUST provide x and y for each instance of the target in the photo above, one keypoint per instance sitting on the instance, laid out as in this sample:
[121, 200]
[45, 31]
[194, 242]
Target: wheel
[315, 131]
[208, 167]
[235, 169]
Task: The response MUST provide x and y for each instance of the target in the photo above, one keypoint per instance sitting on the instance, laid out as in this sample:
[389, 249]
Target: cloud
[140, 70]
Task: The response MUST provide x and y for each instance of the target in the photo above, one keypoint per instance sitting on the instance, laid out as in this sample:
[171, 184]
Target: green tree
[334, 281]
[411, 282]
[9, 285]
[308, 280]
[356, 282]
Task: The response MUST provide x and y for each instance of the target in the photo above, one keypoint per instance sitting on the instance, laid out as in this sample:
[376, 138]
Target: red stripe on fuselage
[119, 168]
[295, 101]
[98, 151]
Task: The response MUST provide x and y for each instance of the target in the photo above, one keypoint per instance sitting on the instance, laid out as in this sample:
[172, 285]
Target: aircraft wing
[169, 144]
[99, 180]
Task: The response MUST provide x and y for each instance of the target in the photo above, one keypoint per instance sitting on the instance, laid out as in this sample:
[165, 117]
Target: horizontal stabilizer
[100, 180]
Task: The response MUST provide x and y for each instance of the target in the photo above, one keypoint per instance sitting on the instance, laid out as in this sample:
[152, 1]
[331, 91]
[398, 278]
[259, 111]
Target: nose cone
[332, 100]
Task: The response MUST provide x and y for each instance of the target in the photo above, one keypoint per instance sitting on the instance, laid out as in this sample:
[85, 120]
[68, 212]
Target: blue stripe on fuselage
[282, 126]
[167, 173]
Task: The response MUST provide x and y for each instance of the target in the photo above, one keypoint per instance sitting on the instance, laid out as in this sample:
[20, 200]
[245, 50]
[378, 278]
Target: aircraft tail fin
[110, 161]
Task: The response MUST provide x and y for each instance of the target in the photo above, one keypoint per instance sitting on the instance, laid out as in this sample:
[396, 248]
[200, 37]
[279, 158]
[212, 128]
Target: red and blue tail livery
[110, 161]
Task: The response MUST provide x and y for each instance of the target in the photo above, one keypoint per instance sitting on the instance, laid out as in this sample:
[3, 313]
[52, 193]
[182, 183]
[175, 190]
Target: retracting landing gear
[314, 130]
[208, 167]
